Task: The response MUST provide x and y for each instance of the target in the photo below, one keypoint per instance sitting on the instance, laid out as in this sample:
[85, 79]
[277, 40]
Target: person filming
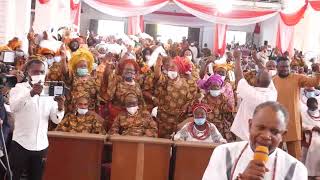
[32, 112]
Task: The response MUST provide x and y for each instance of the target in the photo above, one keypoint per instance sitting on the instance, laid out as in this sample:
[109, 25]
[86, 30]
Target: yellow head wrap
[80, 55]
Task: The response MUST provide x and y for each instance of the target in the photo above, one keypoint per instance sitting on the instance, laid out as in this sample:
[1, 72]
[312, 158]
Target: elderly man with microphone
[259, 158]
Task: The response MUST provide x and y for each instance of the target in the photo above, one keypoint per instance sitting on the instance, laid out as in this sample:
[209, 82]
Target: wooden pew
[74, 156]
[140, 158]
[191, 159]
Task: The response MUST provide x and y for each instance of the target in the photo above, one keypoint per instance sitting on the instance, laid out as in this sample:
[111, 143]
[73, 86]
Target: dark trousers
[22, 159]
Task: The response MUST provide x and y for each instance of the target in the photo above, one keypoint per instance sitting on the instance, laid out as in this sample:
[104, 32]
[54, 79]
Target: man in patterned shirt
[135, 121]
[83, 120]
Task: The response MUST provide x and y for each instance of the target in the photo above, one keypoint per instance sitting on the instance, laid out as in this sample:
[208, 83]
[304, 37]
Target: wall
[268, 31]
[89, 13]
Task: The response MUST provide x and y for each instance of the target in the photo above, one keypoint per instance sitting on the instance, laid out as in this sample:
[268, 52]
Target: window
[233, 37]
[176, 33]
[107, 27]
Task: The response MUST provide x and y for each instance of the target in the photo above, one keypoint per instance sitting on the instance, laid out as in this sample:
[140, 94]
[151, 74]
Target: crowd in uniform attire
[137, 86]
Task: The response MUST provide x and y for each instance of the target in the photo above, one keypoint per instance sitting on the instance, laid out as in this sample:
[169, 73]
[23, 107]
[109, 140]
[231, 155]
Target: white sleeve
[244, 89]
[19, 99]
[56, 116]
[301, 172]
[217, 166]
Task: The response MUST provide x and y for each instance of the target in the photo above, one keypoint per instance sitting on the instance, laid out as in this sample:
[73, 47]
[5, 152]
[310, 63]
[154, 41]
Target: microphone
[261, 153]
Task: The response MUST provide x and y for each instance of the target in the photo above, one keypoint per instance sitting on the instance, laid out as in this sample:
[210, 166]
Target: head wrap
[182, 64]
[44, 51]
[14, 44]
[128, 61]
[79, 55]
[206, 84]
[5, 48]
[202, 106]
[226, 67]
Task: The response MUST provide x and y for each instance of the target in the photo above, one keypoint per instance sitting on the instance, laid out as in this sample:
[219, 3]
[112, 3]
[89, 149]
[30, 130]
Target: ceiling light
[224, 6]
[137, 2]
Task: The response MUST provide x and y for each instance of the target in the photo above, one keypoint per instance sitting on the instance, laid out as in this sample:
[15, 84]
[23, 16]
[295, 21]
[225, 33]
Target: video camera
[54, 88]
[8, 80]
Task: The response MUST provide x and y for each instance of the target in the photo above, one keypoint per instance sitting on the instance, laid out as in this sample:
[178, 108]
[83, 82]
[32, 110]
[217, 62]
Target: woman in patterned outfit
[222, 109]
[173, 98]
[81, 83]
[115, 85]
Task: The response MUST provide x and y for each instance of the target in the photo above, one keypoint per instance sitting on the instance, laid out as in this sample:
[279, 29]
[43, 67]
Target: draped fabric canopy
[125, 8]
[205, 10]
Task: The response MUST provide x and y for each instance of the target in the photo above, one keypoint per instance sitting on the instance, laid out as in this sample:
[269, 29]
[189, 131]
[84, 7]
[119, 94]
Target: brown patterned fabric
[174, 97]
[115, 89]
[81, 124]
[83, 88]
[192, 82]
[221, 115]
[251, 77]
[55, 72]
[140, 124]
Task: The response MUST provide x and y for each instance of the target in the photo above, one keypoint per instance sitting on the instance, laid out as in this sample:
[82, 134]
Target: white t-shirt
[251, 97]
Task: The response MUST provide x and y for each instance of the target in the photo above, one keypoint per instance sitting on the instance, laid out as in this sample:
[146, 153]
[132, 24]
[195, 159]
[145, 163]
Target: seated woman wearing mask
[79, 80]
[82, 120]
[135, 121]
[116, 84]
[222, 110]
[200, 129]
[311, 123]
[174, 98]
[305, 94]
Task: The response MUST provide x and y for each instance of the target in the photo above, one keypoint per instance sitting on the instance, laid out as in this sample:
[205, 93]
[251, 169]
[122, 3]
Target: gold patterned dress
[221, 115]
[114, 91]
[81, 124]
[140, 124]
[174, 97]
[192, 82]
[55, 72]
[79, 87]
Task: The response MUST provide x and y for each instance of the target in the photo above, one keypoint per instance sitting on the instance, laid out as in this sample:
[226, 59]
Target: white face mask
[148, 57]
[188, 72]
[50, 61]
[57, 59]
[315, 113]
[82, 111]
[215, 93]
[189, 57]
[272, 72]
[101, 56]
[132, 110]
[223, 78]
[172, 74]
[38, 78]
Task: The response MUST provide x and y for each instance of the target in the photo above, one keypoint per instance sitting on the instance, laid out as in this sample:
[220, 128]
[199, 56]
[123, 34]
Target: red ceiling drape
[315, 5]
[294, 18]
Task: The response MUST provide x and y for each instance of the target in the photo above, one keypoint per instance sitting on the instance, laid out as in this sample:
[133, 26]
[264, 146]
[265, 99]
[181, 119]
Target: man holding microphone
[259, 158]
[32, 113]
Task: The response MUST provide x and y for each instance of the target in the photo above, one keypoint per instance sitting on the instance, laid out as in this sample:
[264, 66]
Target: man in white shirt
[235, 160]
[250, 97]
[32, 113]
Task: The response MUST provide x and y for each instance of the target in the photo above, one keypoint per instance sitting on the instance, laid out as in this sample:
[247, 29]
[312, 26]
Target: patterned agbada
[83, 88]
[55, 72]
[140, 124]
[81, 124]
[192, 81]
[173, 98]
[221, 115]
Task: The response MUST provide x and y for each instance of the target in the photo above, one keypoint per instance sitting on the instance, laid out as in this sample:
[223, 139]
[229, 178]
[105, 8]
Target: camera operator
[32, 113]
[5, 129]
